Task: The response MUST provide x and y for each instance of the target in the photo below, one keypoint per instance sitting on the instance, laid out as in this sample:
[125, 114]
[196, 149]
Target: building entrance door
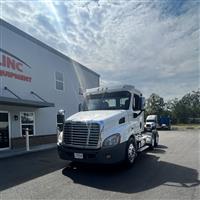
[4, 130]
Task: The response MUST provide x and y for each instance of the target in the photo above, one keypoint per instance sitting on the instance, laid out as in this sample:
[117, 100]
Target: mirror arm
[137, 114]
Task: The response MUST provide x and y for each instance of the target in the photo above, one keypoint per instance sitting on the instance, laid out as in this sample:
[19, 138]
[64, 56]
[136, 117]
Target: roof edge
[42, 44]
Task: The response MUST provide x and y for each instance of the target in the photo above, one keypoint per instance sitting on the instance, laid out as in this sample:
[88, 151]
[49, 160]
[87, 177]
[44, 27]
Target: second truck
[109, 129]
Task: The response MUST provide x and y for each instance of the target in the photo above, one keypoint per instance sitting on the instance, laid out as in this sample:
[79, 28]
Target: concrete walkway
[22, 151]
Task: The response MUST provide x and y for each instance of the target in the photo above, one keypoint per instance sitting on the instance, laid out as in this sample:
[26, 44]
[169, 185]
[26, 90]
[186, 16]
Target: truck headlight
[112, 140]
[60, 137]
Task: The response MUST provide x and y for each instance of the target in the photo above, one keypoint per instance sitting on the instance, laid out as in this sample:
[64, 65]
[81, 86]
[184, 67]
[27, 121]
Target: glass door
[4, 130]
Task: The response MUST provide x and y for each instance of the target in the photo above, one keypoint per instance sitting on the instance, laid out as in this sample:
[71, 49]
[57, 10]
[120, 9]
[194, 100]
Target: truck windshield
[150, 120]
[108, 101]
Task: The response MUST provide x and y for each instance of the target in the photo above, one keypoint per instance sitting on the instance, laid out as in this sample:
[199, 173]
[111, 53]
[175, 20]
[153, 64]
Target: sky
[153, 45]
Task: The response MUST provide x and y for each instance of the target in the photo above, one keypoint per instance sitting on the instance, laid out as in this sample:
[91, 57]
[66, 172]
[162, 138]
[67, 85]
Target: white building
[35, 82]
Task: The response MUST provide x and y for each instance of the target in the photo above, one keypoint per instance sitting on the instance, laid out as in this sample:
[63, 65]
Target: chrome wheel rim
[153, 141]
[157, 140]
[131, 153]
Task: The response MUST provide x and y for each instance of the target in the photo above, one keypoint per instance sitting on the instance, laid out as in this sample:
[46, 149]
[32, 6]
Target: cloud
[153, 45]
[45, 24]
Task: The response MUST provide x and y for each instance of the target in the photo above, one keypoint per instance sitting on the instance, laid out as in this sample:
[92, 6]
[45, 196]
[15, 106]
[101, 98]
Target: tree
[155, 105]
[170, 107]
[187, 108]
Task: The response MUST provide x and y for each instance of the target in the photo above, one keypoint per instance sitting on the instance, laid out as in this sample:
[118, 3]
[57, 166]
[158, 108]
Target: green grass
[186, 126]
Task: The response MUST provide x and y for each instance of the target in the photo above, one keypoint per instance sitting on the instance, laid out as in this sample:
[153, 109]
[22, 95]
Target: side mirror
[80, 107]
[60, 119]
[142, 106]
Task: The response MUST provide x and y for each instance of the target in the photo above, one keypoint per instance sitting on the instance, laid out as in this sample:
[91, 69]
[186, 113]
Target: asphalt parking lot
[169, 172]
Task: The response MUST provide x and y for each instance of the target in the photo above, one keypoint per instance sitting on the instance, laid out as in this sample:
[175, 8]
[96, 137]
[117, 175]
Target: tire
[153, 142]
[131, 153]
[156, 141]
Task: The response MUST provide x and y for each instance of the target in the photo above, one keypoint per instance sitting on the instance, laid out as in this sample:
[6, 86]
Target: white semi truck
[151, 122]
[109, 129]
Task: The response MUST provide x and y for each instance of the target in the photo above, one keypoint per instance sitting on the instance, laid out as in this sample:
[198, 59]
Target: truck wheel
[130, 153]
[156, 140]
[153, 142]
[156, 135]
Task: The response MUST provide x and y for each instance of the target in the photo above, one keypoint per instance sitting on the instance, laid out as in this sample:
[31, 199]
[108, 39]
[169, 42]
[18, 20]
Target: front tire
[131, 153]
[157, 140]
[153, 142]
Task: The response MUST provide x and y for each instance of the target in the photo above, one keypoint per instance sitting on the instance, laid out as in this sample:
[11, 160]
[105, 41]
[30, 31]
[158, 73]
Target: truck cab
[151, 122]
[109, 129]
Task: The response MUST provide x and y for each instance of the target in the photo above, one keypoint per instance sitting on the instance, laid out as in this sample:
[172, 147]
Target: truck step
[143, 148]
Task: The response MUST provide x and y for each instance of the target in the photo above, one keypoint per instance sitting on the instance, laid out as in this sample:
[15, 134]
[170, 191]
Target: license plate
[78, 155]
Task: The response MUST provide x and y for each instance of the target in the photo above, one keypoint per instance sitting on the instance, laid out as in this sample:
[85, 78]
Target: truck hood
[97, 115]
[150, 122]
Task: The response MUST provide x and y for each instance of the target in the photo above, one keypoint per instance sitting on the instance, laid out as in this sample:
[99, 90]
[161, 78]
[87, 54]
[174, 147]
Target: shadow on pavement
[17, 170]
[160, 146]
[147, 173]
[160, 149]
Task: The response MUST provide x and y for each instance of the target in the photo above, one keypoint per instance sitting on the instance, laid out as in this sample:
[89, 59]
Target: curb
[184, 128]
[24, 152]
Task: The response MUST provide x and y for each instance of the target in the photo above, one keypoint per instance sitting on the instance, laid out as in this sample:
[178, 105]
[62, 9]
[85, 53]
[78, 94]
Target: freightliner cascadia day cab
[109, 129]
[151, 122]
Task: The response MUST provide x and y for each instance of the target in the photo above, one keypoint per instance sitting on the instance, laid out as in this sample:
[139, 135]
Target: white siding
[44, 63]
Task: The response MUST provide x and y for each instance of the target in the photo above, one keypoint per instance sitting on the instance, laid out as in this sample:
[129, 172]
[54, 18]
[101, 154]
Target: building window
[59, 81]
[27, 120]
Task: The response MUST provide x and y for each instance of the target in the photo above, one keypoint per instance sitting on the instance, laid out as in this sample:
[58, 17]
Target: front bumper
[148, 129]
[104, 155]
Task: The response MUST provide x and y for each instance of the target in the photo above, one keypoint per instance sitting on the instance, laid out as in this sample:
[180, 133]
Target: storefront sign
[13, 67]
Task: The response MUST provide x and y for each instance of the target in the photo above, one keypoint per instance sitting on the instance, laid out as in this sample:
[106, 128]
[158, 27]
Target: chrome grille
[81, 134]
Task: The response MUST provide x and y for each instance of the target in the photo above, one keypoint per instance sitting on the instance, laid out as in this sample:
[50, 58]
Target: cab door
[137, 113]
